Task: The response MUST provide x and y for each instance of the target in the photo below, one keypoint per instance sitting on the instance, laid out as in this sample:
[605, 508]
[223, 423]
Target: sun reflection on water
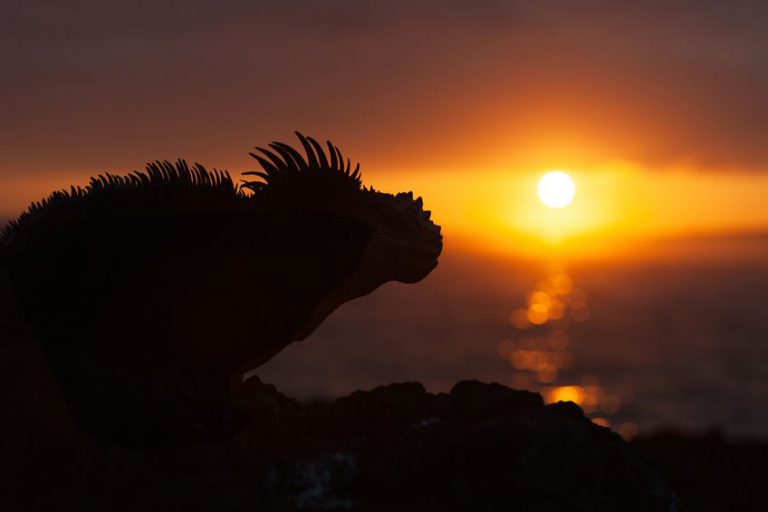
[541, 357]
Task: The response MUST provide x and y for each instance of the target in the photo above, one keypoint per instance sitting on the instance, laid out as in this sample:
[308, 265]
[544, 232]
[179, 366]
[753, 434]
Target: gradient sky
[666, 99]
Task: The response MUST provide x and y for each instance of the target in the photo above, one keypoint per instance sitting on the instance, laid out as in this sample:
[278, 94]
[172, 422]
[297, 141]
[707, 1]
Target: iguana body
[150, 293]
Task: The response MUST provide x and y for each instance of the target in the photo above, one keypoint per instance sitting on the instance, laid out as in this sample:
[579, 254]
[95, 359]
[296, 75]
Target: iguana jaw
[378, 267]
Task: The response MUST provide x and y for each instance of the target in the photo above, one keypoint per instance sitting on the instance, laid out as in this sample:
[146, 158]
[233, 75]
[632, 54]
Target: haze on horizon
[657, 108]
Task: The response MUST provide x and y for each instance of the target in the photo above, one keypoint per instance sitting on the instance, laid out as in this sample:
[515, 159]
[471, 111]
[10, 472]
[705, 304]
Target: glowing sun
[556, 189]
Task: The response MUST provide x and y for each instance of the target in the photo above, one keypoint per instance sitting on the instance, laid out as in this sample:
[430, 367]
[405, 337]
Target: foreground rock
[480, 447]
[709, 472]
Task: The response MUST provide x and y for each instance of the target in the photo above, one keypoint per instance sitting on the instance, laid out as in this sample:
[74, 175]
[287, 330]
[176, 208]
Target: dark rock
[472, 399]
[397, 447]
[384, 409]
[261, 407]
[568, 409]
[710, 472]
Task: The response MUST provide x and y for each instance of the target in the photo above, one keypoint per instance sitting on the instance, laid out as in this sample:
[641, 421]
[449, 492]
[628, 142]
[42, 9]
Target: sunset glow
[618, 204]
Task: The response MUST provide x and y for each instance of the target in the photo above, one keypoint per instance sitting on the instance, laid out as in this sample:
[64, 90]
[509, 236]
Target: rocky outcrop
[709, 471]
[397, 447]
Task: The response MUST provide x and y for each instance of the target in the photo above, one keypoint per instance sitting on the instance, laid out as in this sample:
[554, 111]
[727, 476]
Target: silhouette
[152, 293]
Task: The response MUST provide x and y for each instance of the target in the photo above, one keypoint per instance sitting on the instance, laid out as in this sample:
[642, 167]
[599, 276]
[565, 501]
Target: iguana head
[404, 243]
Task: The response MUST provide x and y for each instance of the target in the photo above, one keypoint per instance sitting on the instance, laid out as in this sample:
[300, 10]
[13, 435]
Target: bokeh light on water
[539, 352]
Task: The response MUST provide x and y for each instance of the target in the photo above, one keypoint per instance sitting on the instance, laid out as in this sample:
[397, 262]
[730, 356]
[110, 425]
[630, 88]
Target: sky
[657, 108]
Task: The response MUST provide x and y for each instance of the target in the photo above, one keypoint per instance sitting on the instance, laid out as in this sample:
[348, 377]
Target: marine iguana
[151, 292]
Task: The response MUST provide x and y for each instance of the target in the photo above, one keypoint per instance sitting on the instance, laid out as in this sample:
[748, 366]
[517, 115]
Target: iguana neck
[364, 280]
[370, 274]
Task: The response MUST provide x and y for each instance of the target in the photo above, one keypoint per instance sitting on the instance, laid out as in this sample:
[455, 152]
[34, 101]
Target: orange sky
[656, 108]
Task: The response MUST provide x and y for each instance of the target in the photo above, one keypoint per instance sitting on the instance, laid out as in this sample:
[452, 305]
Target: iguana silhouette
[151, 292]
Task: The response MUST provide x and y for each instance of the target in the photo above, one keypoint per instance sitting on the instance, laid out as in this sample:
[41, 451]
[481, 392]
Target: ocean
[675, 341]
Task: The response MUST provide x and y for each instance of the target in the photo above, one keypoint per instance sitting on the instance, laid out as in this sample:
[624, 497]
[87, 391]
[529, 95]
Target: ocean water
[640, 344]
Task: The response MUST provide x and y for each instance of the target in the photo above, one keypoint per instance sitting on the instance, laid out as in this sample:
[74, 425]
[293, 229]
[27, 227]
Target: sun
[556, 189]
